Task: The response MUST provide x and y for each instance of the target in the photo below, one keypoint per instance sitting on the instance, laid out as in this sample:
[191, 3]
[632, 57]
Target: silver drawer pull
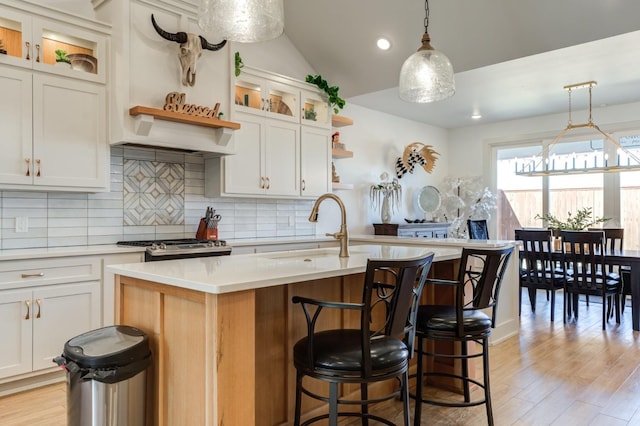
[41, 274]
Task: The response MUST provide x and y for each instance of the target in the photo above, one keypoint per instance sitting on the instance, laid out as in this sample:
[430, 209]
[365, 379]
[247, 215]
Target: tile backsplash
[154, 194]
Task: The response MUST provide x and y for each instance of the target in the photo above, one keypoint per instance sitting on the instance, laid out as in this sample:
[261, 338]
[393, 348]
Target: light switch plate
[22, 224]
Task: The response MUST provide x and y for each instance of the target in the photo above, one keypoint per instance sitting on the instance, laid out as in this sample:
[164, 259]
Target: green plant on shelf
[61, 56]
[310, 114]
[336, 102]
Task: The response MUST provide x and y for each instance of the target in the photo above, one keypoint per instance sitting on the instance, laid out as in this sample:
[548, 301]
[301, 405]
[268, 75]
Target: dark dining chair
[583, 254]
[478, 229]
[538, 270]
[463, 322]
[613, 241]
[379, 350]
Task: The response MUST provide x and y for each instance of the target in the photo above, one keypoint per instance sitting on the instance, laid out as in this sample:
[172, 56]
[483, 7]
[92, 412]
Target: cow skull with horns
[191, 46]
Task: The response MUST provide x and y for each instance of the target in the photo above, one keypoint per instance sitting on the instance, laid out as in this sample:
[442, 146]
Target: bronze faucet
[343, 235]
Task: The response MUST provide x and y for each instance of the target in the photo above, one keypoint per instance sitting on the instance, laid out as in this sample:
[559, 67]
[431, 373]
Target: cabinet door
[248, 94]
[87, 50]
[314, 110]
[15, 33]
[282, 102]
[243, 172]
[315, 158]
[61, 312]
[15, 334]
[69, 133]
[15, 122]
[282, 159]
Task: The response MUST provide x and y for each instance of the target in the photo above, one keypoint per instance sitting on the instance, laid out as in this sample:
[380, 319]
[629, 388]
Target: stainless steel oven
[180, 248]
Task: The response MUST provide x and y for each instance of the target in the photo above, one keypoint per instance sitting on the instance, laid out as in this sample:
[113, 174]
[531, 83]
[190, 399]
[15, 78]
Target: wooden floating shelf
[177, 117]
[341, 121]
[341, 153]
[338, 185]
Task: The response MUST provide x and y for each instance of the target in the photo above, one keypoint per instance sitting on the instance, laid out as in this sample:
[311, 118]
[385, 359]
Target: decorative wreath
[416, 153]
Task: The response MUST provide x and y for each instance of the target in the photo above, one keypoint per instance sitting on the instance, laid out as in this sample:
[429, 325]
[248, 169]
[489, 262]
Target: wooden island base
[226, 359]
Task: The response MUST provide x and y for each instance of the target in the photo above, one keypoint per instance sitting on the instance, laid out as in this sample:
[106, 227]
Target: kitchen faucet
[343, 235]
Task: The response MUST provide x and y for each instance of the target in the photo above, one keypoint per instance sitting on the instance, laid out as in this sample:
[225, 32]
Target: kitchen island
[222, 328]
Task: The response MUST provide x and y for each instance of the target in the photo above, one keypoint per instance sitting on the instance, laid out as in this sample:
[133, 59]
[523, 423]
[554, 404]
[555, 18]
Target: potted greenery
[336, 102]
[61, 57]
[578, 222]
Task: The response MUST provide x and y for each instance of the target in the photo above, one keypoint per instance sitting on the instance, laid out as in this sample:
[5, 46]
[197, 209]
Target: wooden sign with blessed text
[175, 102]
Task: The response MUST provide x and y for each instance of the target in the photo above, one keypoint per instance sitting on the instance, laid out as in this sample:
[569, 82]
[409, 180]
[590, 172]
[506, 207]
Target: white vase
[385, 211]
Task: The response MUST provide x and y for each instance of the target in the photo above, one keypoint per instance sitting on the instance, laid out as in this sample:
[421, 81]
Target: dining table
[629, 258]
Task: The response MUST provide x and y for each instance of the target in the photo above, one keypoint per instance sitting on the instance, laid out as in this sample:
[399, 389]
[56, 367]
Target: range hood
[154, 128]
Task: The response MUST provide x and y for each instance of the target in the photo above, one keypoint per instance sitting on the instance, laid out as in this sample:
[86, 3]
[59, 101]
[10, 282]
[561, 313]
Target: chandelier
[542, 165]
[427, 75]
[246, 21]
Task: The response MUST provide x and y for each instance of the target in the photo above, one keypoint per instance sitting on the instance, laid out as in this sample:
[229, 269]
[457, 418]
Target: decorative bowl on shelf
[83, 62]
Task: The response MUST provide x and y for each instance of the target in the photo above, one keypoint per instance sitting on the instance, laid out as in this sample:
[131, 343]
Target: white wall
[377, 141]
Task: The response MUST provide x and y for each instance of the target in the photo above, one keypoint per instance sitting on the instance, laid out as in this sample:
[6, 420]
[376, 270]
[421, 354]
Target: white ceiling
[512, 58]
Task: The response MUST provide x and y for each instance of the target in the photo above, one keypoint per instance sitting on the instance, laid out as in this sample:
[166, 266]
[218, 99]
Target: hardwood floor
[551, 374]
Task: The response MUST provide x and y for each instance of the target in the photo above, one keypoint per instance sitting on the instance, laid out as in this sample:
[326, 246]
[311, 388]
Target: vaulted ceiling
[511, 58]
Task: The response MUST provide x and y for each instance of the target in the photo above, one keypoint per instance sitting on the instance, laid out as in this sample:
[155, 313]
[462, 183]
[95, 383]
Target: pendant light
[246, 21]
[427, 75]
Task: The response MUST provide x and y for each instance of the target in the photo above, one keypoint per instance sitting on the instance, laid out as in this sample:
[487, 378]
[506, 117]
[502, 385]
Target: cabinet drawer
[21, 273]
[404, 233]
[424, 234]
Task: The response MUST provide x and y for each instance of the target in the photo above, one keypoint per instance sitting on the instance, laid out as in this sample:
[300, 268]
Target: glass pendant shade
[427, 75]
[246, 21]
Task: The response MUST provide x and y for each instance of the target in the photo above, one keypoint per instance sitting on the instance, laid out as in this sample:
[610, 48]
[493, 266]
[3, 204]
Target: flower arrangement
[385, 196]
[578, 222]
[464, 198]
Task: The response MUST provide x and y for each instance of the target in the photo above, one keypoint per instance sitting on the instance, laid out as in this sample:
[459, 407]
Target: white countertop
[226, 274]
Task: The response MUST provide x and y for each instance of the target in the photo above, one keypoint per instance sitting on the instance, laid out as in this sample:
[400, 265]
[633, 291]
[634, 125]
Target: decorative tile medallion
[153, 193]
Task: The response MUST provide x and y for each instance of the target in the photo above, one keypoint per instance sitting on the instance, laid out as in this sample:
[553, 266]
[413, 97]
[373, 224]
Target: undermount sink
[309, 255]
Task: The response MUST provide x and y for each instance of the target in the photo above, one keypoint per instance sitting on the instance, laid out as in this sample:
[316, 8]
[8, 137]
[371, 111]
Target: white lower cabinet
[37, 322]
[43, 303]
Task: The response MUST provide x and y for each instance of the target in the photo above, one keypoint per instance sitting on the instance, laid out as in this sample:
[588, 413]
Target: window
[519, 197]
[615, 195]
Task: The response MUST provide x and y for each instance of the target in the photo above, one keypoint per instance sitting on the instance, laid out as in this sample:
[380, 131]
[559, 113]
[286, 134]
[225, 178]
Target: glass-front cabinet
[50, 46]
[259, 95]
[315, 110]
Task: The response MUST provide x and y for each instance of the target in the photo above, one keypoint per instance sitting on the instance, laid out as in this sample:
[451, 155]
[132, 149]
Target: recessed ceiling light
[476, 116]
[383, 43]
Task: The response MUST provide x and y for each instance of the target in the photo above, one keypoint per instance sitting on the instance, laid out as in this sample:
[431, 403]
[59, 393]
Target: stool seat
[341, 350]
[442, 319]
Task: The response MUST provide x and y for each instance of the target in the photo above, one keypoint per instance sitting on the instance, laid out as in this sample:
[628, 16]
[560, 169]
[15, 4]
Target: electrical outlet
[22, 224]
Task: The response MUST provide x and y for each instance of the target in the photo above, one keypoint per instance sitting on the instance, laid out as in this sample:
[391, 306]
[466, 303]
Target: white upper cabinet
[282, 149]
[315, 110]
[31, 41]
[267, 159]
[53, 116]
[266, 96]
[315, 155]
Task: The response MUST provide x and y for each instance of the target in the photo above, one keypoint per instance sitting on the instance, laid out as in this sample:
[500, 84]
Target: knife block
[205, 233]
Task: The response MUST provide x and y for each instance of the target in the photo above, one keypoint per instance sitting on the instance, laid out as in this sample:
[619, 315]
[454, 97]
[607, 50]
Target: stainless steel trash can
[106, 376]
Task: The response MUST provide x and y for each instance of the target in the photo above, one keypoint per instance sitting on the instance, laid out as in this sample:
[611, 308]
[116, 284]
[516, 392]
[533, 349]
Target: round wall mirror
[429, 200]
